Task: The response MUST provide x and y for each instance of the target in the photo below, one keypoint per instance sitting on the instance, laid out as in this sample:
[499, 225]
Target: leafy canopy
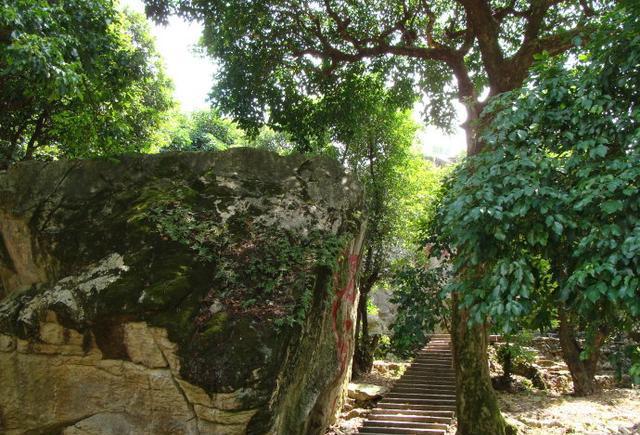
[556, 195]
[277, 57]
[77, 78]
[202, 130]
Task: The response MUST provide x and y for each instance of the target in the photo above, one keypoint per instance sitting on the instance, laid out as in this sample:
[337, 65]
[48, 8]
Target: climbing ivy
[265, 271]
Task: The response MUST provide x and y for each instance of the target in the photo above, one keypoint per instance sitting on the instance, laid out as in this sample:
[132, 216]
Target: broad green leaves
[202, 130]
[276, 57]
[556, 194]
[77, 78]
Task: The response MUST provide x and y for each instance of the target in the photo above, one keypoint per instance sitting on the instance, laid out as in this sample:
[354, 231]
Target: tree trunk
[365, 345]
[506, 380]
[34, 141]
[362, 331]
[583, 371]
[477, 407]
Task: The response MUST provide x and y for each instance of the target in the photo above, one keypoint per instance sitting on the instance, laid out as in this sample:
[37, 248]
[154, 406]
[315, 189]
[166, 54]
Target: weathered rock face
[381, 322]
[204, 293]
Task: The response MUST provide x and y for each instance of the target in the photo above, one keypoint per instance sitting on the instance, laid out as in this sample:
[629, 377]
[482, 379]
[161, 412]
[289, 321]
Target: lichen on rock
[222, 281]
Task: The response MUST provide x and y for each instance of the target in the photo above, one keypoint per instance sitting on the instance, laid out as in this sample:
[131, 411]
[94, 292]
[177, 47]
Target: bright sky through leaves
[191, 73]
[192, 76]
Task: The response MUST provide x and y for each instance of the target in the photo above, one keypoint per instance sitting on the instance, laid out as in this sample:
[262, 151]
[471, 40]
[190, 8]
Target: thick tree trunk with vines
[477, 408]
[582, 371]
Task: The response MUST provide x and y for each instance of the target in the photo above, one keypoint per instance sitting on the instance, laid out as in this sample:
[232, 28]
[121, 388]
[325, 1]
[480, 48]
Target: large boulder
[208, 293]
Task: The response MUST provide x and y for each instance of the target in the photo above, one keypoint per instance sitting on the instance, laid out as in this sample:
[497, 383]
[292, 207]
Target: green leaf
[599, 151]
[557, 228]
[611, 206]
[593, 294]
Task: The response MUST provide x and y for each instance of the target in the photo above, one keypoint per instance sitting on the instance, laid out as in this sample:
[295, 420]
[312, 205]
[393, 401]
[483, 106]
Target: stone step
[433, 362]
[392, 431]
[446, 371]
[442, 374]
[375, 416]
[431, 365]
[411, 411]
[430, 368]
[421, 395]
[404, 424]
[433, 390]
[451, 403]
[434, 355]
[423, 400]
[433, 358]
[428, 380]
[445, 363]
[413, 406]
[448, 379]
[423, 387]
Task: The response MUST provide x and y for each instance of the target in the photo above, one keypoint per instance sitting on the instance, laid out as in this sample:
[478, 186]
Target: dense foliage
[555, 197]
[417, 284]
[276, 57]
[416, 275]
[201, 130]
[77, 78]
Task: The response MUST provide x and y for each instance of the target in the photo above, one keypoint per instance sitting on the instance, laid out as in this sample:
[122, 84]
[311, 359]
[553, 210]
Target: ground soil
[612, 411]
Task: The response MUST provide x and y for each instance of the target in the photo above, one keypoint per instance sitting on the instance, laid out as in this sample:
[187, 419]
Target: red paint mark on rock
[348, 324]
[345, 298]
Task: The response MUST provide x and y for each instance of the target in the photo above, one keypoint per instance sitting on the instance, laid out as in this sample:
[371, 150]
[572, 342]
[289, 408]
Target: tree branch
[37, 133]
[485, 29]
[518, 65]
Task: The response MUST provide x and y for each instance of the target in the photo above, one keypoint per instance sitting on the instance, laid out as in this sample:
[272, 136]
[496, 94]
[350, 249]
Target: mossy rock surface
[246, 258]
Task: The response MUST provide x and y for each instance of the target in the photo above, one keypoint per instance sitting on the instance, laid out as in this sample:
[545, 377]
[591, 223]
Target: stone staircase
[423, 400]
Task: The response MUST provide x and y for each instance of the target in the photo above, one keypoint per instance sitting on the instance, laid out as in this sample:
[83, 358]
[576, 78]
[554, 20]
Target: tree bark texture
[477, 408]
[365, 345]
[583, 371]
